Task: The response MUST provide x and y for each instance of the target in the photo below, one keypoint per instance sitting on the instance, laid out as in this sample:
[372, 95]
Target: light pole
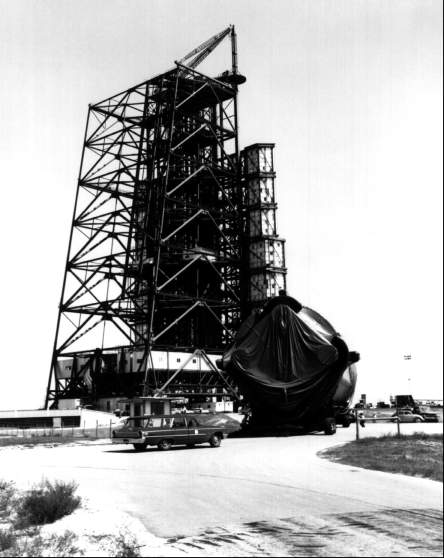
[408, 356]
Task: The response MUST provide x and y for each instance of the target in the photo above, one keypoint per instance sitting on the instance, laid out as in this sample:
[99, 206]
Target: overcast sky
[350, 92]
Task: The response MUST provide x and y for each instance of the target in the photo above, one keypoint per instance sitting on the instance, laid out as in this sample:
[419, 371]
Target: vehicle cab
[165, 431]
[428, 415]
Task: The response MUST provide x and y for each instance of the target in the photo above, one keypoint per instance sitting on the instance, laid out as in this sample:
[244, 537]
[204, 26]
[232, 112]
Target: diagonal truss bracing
[155, 253]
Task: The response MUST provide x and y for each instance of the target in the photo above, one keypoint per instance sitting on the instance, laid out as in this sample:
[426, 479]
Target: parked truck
[407, 402]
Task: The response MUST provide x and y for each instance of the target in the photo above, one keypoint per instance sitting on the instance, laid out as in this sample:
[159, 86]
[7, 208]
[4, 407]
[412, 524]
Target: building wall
[85, 418]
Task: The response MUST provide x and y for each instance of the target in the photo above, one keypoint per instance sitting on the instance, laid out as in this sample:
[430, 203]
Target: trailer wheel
[164, 445]
[140, 447]
[330, 426]
[214, 441]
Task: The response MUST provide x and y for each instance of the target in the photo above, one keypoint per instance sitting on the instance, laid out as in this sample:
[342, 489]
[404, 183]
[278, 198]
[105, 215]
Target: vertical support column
[52, 370]
[158, 239]
[266, 250]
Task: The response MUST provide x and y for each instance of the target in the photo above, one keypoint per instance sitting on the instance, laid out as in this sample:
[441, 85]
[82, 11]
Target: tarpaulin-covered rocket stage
[292, 367]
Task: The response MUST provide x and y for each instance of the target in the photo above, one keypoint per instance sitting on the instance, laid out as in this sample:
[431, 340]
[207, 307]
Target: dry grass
[37, 440]
[51, 439]
[417, 455]
[7, 540]
[46, 503]
[23, 512]
[125, 545]
[37, 546]
[7, 493]
[20, 512]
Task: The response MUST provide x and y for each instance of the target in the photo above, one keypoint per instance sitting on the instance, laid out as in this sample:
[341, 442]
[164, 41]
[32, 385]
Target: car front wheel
[214, 441]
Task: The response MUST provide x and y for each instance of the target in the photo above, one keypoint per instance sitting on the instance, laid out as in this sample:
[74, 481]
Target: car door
[405, 417]
[153, 430]
[196, 433]
[179, 430]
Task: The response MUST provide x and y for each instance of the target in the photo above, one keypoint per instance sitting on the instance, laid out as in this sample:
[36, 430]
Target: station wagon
[180, 429]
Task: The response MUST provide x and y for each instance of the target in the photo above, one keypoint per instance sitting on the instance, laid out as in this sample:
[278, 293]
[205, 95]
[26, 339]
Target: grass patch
[125, 545]
[7, 493]
[417, 455]
[50, 440]
[8, 539]
[30, 442]
[37, 546]
[47, 502]
[23, 513]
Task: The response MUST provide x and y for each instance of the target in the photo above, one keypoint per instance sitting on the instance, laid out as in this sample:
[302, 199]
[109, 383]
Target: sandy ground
[262, 496]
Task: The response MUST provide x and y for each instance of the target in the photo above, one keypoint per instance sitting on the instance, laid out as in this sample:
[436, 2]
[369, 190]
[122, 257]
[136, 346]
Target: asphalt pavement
[252, 495]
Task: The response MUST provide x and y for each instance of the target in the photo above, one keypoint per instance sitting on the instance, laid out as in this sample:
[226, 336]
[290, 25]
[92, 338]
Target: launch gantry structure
[158, 273]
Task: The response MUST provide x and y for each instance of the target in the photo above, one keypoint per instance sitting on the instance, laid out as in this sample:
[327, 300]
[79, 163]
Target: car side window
[153, 422]
[167, 422]
[192, 423]
[179, 422]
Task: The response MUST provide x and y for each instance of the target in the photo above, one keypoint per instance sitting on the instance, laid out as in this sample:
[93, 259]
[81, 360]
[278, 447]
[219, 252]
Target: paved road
[252, 496]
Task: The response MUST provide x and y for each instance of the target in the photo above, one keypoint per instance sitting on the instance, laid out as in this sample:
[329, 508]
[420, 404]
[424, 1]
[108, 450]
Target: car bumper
[127, 440]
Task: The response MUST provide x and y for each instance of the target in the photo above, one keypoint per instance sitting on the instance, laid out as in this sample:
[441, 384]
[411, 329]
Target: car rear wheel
[164, 445]
[140, 447]
[330, 427]
[215, 441]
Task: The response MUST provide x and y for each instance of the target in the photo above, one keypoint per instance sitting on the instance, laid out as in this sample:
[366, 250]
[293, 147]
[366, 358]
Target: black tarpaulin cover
[287, 362]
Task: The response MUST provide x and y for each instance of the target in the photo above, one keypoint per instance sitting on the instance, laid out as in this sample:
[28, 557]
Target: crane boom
[203, 50]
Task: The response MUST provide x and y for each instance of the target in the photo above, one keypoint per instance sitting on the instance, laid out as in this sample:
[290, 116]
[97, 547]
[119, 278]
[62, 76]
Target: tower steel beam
[155, 254]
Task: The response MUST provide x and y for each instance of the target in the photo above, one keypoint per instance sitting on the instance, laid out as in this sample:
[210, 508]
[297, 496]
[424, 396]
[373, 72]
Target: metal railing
[360, 420]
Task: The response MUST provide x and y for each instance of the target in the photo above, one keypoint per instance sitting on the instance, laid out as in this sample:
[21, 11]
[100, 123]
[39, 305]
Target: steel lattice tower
[158, 251]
